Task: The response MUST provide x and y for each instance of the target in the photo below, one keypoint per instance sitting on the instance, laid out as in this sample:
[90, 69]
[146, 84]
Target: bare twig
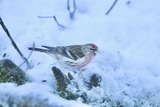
[28, 56]
[13, 43]
[71, 13]
[111, 7]
[58, 22]
[54, 17]
[45, 16]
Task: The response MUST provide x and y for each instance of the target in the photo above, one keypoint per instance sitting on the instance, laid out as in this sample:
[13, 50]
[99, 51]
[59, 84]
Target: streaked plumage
[73, 56]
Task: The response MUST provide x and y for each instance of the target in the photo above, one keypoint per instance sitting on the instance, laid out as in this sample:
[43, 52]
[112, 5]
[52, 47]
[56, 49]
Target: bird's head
[92, 48]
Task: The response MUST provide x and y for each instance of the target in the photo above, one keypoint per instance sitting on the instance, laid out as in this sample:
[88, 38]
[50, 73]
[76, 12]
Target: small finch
[73, 56]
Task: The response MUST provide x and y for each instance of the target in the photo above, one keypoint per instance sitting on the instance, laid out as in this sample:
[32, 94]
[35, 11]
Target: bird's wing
[69, 52]
[76, 51]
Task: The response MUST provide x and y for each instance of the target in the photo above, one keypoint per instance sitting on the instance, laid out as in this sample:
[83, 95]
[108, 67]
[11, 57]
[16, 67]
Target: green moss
[9, 72]
[68, 95]
[62, 83]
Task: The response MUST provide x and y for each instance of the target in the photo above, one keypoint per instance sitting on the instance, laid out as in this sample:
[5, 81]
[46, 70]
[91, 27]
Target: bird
[72, 56]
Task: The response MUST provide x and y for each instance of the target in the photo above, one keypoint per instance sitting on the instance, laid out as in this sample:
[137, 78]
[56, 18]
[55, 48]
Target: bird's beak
[96, 52]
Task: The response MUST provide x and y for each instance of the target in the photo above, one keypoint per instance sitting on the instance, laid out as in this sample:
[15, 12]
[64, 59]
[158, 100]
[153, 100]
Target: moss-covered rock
[62, 83]
[10, 72]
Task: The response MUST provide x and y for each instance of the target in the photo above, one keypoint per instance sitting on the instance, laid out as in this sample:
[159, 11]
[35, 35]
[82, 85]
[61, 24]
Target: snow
[128, 41]
[40, 92]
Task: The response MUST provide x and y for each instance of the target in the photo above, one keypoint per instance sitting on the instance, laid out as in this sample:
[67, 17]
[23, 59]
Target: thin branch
[71, 13]
[28, 56]
[58, 22]
[54, 17]
[13, 43]
[111, 7]
[45, 16]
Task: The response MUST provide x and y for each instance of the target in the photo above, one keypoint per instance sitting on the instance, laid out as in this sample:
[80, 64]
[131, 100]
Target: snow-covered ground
[128, 40]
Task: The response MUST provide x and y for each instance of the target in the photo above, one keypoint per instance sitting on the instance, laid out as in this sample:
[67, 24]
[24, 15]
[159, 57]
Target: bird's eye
[92, 49]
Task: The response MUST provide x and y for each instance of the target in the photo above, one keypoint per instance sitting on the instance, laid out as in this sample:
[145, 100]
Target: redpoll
[73, 56]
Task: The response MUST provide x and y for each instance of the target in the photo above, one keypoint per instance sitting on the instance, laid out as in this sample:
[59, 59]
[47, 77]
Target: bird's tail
[38, 49]
[49, 48]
